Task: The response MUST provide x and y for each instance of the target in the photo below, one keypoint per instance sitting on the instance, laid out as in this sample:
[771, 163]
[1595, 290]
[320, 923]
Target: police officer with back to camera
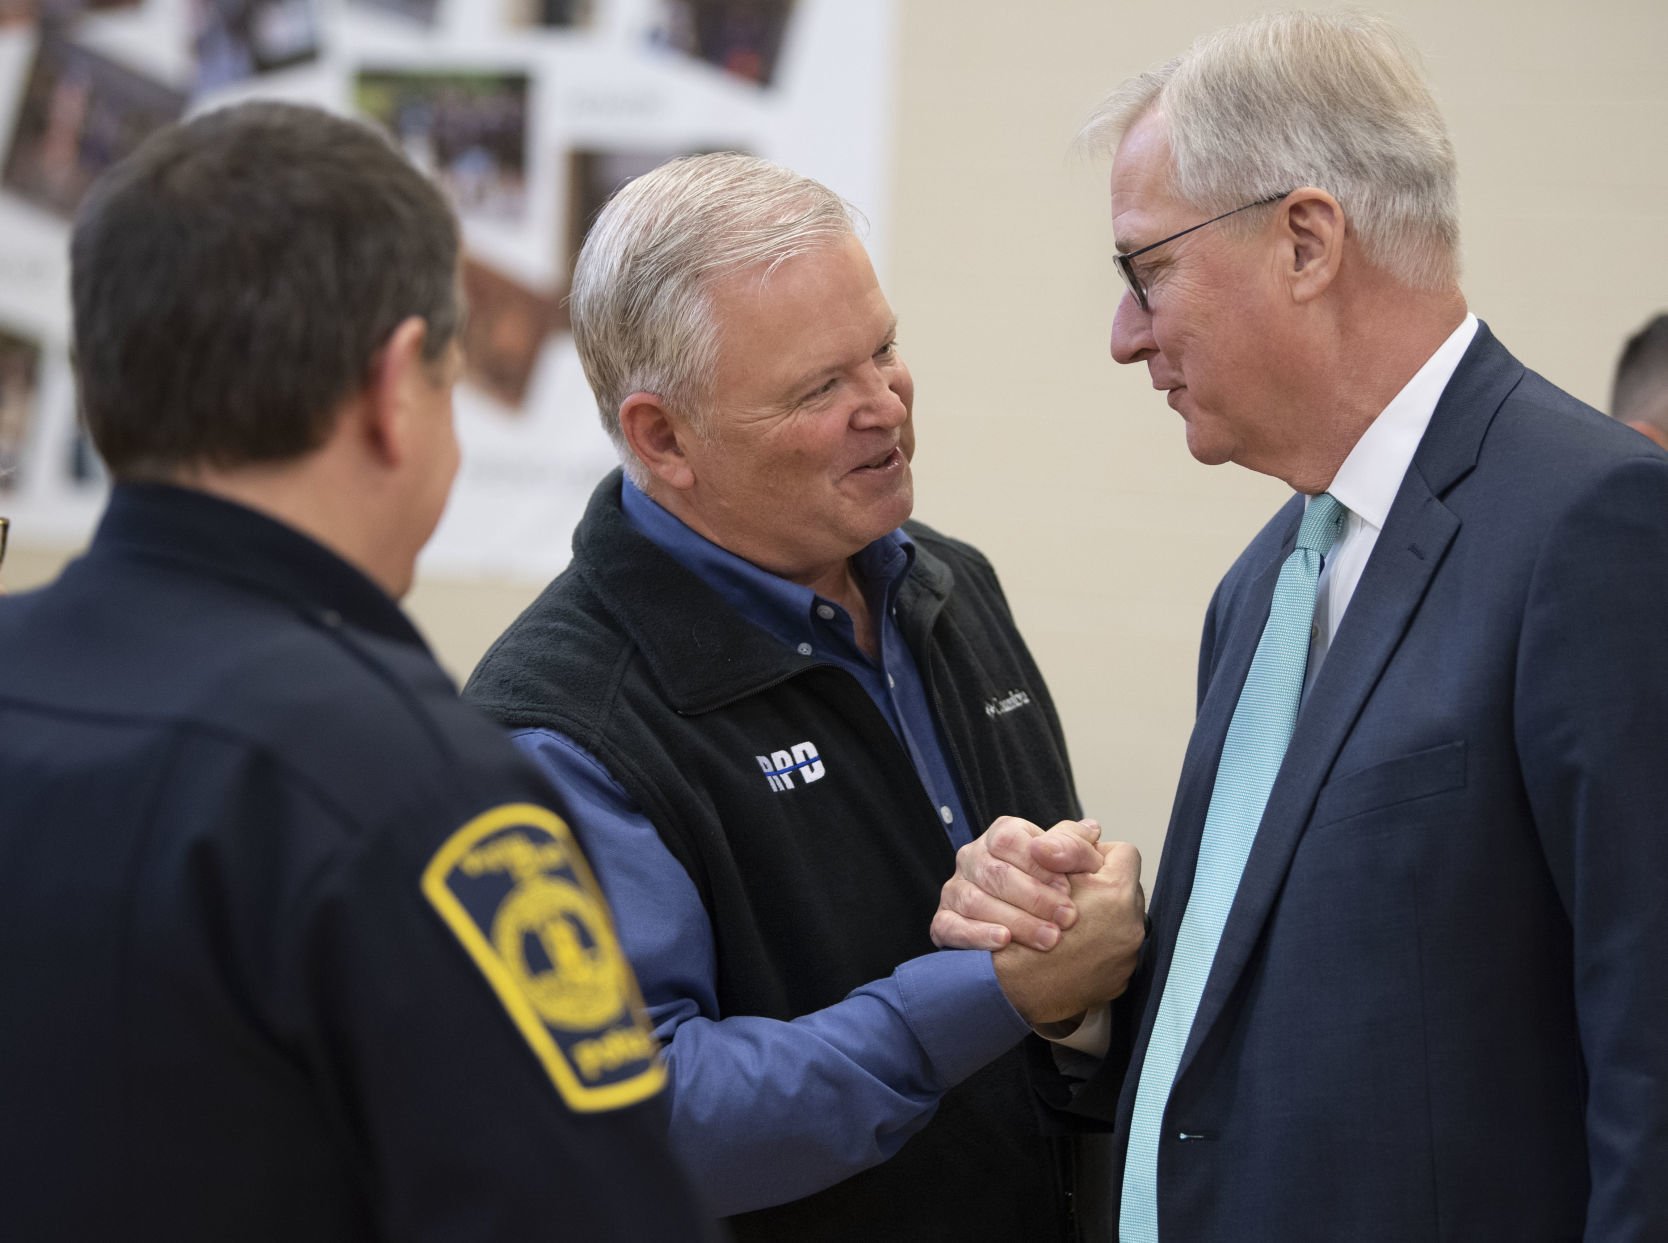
[295, 947]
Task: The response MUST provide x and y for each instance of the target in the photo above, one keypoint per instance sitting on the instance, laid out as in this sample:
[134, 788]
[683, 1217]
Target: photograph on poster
[529, 114]
[505, 331]
[80, 113]
[594, 175]
[741, 37]
[20, 367]
[16, 12]
[555, 14]
[466, 130]
[421, 11]
[237, 39]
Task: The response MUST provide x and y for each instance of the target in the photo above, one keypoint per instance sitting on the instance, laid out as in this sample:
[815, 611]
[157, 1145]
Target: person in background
[1639, 395]
[297, 947]
[779, 706]
[1404, 980]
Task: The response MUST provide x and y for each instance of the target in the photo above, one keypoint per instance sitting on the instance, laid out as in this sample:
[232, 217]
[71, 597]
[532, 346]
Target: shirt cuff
[1092, 1036]
[958, 1012]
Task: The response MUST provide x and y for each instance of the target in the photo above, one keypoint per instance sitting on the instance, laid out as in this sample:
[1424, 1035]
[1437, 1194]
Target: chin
[1206, 449]
[1211, 458]
[884, 519]
[903, 503]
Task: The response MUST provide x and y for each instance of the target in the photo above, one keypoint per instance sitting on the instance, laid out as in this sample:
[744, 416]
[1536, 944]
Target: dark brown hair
[234, 279]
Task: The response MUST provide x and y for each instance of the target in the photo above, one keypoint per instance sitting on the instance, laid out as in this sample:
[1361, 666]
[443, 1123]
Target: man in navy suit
[1433, 1006]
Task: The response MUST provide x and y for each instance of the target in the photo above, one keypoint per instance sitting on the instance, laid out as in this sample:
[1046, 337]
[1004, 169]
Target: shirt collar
[1371, 475]
[774, 604]
[239, 545]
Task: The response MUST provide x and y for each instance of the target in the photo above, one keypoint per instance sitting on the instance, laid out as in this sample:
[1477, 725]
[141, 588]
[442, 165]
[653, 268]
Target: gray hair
[641, 300]
[1331, 100]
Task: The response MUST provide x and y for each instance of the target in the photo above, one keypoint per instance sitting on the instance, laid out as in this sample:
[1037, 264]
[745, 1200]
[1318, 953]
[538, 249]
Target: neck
[835, 581]
[304, 496]
[1369, 357]
[1656, 429]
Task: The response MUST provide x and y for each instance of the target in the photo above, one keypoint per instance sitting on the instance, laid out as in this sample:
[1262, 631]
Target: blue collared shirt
[765, 1111]
[799, 618]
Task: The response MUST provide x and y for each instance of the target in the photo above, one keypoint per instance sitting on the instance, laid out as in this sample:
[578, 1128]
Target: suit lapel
[1239, 638]
[1416, 538]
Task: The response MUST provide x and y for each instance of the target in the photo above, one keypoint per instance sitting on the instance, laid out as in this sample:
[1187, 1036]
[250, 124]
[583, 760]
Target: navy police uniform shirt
[292, 945]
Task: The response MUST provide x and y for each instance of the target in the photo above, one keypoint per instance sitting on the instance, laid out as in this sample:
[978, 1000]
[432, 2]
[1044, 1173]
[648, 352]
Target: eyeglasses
[1132, 278]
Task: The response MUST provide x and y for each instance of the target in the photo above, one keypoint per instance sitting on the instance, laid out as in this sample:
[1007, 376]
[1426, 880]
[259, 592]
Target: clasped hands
[1064, 912]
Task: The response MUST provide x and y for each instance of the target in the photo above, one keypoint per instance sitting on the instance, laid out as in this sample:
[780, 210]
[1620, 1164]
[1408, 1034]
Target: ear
[1312, 231]
[386, 409]
[657, 435]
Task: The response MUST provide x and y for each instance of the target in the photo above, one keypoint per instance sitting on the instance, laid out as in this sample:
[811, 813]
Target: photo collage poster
[527, 113]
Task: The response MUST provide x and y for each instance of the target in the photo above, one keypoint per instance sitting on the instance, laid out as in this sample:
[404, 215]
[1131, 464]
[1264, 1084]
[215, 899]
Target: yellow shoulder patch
[515, 890]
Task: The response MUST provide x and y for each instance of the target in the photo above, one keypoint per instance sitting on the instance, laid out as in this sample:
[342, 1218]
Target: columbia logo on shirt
[1001, 705]
[782, 767]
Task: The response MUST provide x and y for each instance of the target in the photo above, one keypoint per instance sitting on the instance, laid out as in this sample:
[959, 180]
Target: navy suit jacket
[1440, 1006]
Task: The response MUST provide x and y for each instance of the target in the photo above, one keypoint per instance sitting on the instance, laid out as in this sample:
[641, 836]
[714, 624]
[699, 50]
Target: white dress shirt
[1367, 483]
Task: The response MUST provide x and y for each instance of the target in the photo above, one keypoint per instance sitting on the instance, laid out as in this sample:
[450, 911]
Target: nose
[1132, 331]
[886, 397]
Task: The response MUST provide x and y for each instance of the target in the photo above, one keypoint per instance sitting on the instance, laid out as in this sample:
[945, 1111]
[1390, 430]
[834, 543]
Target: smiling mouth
[886, 461]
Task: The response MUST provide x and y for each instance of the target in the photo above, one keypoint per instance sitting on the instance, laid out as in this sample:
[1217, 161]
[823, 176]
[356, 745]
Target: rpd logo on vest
[801, 760]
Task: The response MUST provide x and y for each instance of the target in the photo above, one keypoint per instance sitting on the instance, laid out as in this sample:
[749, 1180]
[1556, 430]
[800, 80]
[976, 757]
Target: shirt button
[1314, 633]
[946, 815]
[804, 649]
[826, 612]
[891, 682]
[331, 618]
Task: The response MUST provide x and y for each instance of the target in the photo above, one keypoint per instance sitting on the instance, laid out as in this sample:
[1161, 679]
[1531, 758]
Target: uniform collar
[241, 546]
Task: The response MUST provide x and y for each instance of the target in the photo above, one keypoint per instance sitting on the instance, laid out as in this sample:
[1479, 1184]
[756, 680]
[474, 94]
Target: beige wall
[1071, 473]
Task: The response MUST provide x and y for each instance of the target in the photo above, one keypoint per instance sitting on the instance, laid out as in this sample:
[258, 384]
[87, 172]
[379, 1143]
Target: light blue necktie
[1251, 757]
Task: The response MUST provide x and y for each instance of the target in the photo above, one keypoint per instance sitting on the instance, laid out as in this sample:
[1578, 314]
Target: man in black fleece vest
[779, 707]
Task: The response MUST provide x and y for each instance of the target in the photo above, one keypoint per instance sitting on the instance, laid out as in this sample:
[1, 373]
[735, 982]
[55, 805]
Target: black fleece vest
[825, 880]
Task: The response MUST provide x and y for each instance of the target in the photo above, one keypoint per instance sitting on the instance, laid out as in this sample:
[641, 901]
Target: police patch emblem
[515, 890]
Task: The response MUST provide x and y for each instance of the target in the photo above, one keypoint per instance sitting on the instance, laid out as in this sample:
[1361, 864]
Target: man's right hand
[1012, 883]
[1068, 911]
[1096, 956]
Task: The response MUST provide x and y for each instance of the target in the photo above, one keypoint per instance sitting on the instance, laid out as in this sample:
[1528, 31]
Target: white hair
[1330, 100]
[641, 299]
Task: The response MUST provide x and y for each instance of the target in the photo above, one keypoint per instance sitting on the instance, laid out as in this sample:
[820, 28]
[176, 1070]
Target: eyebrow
[1124, 251]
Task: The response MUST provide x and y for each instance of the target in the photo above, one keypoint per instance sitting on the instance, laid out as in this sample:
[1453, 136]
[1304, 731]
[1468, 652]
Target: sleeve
[1591, 720]
[425, 1051]
[764, 1111]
